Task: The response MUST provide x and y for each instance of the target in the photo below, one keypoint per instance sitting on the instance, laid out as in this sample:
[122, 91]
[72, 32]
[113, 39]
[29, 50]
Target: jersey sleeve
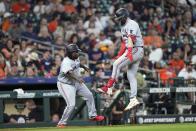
[121, 51]
[66, 67]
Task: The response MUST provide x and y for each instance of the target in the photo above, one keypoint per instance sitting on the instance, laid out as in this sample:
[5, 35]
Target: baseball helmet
[121, 15]
[70, 49]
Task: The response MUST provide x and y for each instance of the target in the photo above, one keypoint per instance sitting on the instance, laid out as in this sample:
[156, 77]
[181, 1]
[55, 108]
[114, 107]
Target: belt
[64, 82]
[138, 46]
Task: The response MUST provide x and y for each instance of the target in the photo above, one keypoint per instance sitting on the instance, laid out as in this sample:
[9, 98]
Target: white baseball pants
[69, 94]
[122, 61]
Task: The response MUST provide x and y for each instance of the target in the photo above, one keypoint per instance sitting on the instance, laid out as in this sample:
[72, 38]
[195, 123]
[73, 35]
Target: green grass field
[151, 127]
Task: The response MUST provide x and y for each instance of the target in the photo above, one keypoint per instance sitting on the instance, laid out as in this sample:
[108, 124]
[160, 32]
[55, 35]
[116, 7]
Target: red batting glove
[129, 54]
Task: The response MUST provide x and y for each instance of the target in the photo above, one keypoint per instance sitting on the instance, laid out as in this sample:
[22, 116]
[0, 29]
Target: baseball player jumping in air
[69, 82]
[130, 54]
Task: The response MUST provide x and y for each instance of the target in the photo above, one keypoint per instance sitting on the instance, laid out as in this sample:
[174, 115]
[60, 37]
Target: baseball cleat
[133, 102]
[61, 126]
[97, 118]
[105, 88]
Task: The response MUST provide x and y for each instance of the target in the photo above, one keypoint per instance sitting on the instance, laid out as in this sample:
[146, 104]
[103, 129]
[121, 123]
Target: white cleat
[133, 102]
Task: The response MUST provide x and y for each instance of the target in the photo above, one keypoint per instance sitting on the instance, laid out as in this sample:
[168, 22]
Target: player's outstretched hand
[87, 69]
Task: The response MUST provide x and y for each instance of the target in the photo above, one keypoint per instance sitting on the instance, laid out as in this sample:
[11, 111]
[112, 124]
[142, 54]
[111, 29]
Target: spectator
[44, 34]
[30, 72]
[35, 114]
[103, 42]
[95, 56]
[40, 8]
[192, 29]
[25, 49]
[56, 67]
[4, 6]
[131, 10]
[55, 118]
[188, 72]
[93, 29]
[69, 7]
[145, 15]
[6, 22]
[193, 59]
[54, 6]
[169, 28]
[46, 61]
[166, 73]
[52, 25]
[2, 67]
[155, 24]
[117, 112]
[16, 29]
[19, 117]
[20, 6]
[29, 32]
[59, 41]
[96, 22]
[176, 63]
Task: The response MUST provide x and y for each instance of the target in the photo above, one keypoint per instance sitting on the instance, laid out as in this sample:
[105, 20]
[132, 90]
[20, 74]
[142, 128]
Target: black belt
[138, 46]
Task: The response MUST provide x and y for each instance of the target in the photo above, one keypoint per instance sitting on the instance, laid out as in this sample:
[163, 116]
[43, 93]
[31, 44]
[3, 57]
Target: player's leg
[117, 65]
[68, 92]
[82, 90]
[131, 75]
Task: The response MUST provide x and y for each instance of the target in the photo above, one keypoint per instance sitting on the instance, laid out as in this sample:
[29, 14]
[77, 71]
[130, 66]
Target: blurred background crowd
[34, 34]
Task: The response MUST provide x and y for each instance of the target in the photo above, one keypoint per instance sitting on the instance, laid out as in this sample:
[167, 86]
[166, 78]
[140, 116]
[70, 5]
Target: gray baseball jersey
[68, 89]
[130, 28]
[69, 65]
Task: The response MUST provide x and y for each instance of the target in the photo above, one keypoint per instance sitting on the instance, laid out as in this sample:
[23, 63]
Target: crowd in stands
[34, 34]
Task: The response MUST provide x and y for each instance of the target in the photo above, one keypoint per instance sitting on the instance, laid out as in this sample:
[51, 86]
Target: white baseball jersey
[68, 89]
[132, 28]
[69, 65]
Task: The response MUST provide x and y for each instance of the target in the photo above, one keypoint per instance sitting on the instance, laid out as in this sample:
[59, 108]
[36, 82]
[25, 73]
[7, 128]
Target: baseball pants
[69, 94]
[122, 61]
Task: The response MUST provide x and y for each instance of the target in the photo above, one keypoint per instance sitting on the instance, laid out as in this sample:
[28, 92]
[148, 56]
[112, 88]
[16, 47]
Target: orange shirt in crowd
[2, 72]
[165, 75]
[17, 7]
[52, 26]
[70, 8]
[176, 64]
[6, 25]
[155, 41]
